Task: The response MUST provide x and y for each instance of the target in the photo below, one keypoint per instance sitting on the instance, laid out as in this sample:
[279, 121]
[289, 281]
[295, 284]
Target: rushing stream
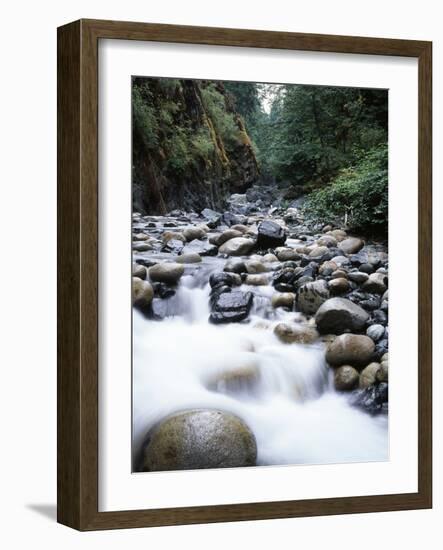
[284, 392]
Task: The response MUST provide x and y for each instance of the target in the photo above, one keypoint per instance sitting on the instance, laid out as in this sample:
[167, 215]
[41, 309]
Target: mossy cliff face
[190, 147]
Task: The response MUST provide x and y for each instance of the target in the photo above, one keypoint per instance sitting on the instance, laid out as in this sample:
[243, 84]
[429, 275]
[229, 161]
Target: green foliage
[143, 111]
[178, 153]
[223, 120]
[318, 130]
[359, 194]
[202, 144]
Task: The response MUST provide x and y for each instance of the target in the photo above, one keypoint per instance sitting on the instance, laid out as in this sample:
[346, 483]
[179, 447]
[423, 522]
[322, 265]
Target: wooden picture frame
[78, 274]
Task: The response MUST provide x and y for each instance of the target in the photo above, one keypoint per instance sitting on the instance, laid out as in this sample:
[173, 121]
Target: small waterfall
[282, 391]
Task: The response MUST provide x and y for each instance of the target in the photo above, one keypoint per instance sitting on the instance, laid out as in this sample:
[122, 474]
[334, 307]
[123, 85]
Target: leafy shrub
[358, 195]
[178, 154]
[144, 118]
[202, 144]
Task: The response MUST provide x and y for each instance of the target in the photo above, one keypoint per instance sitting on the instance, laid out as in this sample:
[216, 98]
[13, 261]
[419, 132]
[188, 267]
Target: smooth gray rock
[337, 315]
[239, 246]
[168, 272]
[350, 349]
[351, 245]
[199, 439]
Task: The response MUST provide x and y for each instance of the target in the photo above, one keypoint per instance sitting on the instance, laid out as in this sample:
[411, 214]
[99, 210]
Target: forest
[196, 142]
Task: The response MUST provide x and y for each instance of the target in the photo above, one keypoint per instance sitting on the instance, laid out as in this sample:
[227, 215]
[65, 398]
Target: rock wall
[189, 163]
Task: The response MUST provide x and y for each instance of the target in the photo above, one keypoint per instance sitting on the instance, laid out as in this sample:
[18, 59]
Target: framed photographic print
[244, 275]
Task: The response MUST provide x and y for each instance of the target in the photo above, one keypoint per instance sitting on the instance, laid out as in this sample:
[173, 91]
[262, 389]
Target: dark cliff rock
[190, 147]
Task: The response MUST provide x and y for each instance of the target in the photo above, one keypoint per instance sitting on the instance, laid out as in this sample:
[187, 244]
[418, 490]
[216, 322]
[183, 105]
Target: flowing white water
[283, 392]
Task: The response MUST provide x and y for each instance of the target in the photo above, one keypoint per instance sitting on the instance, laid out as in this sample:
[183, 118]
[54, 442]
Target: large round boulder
[350, 349]
[239, 246]
[311, 296]
[199, 439]
[337, 315]
[168, 272]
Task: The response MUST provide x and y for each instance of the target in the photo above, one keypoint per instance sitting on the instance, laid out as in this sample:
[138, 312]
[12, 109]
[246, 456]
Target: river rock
[340, 260]
[229, 279]
[193, 232]
[239, 246]
[338, 234]
[257, 279]
[377, 283]
[319, 252]
[372, 399]
[235, 266]
[376, 332]
[383, 372]
[291, 333]
[327, 268]
[203, 248]
[173, 246]
[139, 271]
[142, 293]
[240, 227]
[141, 246]
[231, 307]
[283, 299]
[339, 274]
[270, 258]
[339, 285]
[140, 237]
[350, 349]
[173, 235]
[327, 240]
[189, 258]
[358, 277]
[270, 235]
[199, 439]
[368, 375]
[255, 266]
[227, 235]
[311, 296]
[337, 315]
[366, 268]
[351, 245]
[212, 218]
[167, 272]
[287, 254]
[346, 378]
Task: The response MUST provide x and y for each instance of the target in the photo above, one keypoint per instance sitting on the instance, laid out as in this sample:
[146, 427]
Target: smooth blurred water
[183, 362]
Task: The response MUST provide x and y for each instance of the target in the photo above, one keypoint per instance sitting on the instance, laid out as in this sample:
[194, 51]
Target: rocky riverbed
[258, 339]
